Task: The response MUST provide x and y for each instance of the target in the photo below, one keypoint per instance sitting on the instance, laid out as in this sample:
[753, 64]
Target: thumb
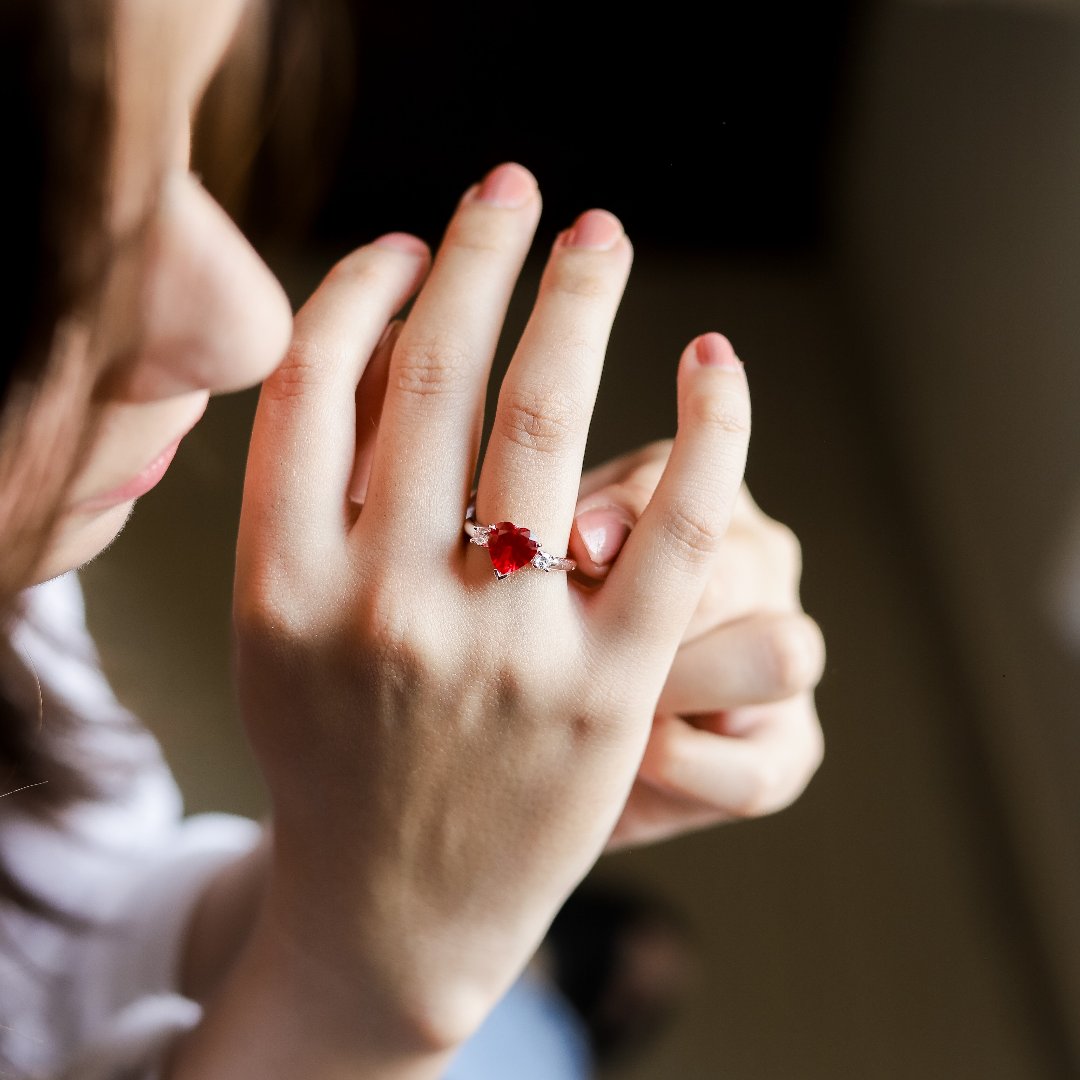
[601, 527]
[612, 499]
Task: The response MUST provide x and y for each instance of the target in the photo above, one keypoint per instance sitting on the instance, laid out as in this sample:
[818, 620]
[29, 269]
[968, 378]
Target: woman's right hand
[446, 753]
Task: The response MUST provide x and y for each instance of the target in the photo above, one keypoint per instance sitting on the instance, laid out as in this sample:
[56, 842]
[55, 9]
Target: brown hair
[57, 67]
[55, 78]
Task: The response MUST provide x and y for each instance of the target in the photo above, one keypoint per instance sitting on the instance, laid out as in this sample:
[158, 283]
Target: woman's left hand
[736, 732]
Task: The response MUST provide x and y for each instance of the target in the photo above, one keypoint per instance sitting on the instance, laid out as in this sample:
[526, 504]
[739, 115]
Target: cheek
[215, 318]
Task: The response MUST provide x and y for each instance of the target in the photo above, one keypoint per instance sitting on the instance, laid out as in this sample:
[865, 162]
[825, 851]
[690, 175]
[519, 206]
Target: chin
[82, 538]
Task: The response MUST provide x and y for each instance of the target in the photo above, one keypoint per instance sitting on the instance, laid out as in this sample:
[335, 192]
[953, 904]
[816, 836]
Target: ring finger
[532, 465]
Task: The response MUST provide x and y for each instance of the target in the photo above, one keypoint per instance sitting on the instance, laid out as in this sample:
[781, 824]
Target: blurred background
[880, 204]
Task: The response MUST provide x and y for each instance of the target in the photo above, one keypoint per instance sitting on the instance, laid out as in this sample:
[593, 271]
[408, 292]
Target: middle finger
[425, 451]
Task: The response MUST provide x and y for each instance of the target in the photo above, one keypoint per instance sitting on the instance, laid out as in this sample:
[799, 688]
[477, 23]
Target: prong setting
[512, 547]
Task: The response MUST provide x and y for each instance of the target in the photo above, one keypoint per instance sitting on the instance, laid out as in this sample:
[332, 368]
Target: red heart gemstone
[510, 548]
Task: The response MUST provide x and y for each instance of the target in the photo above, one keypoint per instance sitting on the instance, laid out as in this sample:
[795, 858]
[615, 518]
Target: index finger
[655, 584]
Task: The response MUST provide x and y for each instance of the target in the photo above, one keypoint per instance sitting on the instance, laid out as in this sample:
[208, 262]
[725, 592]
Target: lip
[145, 480]
[137, 485]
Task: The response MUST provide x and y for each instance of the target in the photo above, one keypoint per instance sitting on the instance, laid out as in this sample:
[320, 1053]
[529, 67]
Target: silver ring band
[511, 547]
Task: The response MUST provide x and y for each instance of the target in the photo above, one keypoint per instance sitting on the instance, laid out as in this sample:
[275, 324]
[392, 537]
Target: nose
[215, 317]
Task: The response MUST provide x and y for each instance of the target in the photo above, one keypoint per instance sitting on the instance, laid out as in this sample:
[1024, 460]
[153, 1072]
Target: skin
[215, 318]
[413, 809]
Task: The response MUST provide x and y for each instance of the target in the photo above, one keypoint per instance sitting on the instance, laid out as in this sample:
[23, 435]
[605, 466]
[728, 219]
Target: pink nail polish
[398, 241]
[596, 229]
[714, 350]
[509, 186]
[603, 531]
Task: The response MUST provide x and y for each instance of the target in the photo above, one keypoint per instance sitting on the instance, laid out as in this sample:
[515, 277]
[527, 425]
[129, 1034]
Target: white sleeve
[126, 987]
[102, 1002]
[133, 1045]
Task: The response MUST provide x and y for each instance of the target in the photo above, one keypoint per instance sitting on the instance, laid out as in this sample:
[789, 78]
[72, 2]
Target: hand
[736, 732]
[447, 754]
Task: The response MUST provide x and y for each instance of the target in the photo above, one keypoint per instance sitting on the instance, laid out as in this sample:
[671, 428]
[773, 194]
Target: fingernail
[399, 241]
[596, 229]
[603, 531]
[509, 186]
[714, 350]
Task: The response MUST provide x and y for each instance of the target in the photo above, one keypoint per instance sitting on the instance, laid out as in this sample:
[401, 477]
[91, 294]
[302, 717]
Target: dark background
[703, 126]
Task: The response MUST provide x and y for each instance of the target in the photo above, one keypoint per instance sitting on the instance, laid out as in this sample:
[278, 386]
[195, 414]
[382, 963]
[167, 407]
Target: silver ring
[510, 547]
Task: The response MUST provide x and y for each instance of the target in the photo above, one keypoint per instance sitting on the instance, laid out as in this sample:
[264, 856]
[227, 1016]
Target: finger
[532, 463]
[654, 814]
[606, 514]
[614, 496]
[654, 586]
[746, 579]
[758, 773]
[304, 439]
[745, 507]
[762, 658]
[369, 402]
[433, 411]
[597, 538]
[623, 466]
[757, 567]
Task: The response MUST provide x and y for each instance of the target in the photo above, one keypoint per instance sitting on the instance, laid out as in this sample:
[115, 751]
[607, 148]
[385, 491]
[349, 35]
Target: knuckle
[270, 613]
[668, 758]
[789, 783]
[542, 422]
[772, 782]
[304, 367]
[721, 411]
[786, 545]
[429, 366]
[692, 532]
[587, 278]
[517, 688]
[815, 752]
[796, 656]
[817, 650]
[394, 639]
[758, 796]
